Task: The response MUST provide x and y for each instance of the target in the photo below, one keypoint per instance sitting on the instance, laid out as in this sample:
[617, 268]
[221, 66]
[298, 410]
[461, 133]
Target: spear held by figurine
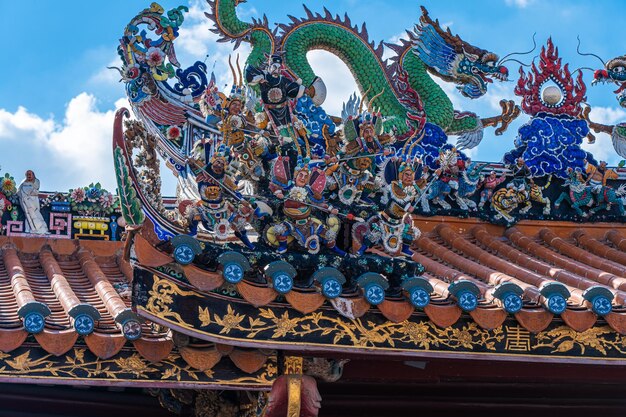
[242, 198]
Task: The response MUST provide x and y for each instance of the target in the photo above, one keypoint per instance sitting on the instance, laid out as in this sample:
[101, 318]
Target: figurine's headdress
[411, 164]
[275, 58]
[302, 165]
[221, 155]
[356, 121]
[447, 156]
[238, 90]
[370, 115]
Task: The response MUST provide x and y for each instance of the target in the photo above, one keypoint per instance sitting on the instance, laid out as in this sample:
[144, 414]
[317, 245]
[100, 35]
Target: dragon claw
[510, 112]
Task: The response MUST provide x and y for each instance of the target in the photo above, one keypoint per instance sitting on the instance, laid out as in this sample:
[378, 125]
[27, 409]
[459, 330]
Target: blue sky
[57, 98]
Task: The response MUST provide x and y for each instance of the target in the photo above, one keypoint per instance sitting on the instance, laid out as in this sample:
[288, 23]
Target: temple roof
[79, 287]
[541, 259]
[540, 274]
[69, 297]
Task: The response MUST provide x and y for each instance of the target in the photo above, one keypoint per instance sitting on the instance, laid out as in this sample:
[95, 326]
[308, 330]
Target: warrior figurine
[351, 180]
[215, 210]
[451, 167]
[248, 153]
[597, 175]
[227, 112]
[300, 196]
[353, 175]
[520, 169]
[489, 184]
[276, 92]
[393, 227]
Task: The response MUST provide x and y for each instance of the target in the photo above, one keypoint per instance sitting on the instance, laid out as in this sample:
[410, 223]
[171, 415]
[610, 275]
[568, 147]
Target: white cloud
[21, 124]
[195, 39]
[73, 153]
[519, 3]
[602, 149]
[339, 80]
[607, 115]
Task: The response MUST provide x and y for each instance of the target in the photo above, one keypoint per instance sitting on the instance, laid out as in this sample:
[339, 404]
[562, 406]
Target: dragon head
[454, 60]
[614, 72]
[474, 73]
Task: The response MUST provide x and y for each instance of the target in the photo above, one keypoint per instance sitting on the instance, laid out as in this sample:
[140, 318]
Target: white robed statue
[28, 193]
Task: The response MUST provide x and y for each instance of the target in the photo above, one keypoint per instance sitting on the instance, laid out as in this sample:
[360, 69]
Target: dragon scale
[362, 61]
[231, 28]
[371, 72]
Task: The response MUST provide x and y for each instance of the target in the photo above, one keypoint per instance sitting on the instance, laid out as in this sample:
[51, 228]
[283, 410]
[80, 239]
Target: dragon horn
[240, 74]
[504, 58]
[118, 70]
[230, 64]
[588, 54]
[371, 102]
[363, 99]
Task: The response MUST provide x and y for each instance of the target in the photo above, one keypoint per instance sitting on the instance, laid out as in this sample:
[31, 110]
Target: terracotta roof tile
[595, 265]
[9, 303]
[82, 313]
[552, 268]
[617, 239]
[575, 274]
[528, 269]
[42, 290]
[459, 262]
[95, 279]
[598, 248]
[68, 284]
[499, 270]
[110, 299]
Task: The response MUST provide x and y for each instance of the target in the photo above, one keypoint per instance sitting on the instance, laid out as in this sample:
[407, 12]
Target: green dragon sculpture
[428, 50]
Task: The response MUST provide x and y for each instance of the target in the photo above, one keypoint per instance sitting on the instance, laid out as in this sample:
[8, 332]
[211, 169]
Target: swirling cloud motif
[550, 145]
[314, 119]
[434, 141]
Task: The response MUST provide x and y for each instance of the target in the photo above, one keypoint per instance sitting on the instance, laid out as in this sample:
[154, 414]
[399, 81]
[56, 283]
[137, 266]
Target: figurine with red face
[221, 208]
[489, 184]
[353, 176]
[302, 195]
[392, 228]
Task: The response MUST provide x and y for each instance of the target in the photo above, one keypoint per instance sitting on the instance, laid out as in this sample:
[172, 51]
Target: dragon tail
[230, 28]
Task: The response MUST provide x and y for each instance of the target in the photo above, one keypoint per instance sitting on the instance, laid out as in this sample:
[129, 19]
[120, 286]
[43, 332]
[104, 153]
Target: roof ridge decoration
[551, 88]
[293, 230]
[253, 188]
[325, 331]
[414, 127]
[296, 230]
[550, 143]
